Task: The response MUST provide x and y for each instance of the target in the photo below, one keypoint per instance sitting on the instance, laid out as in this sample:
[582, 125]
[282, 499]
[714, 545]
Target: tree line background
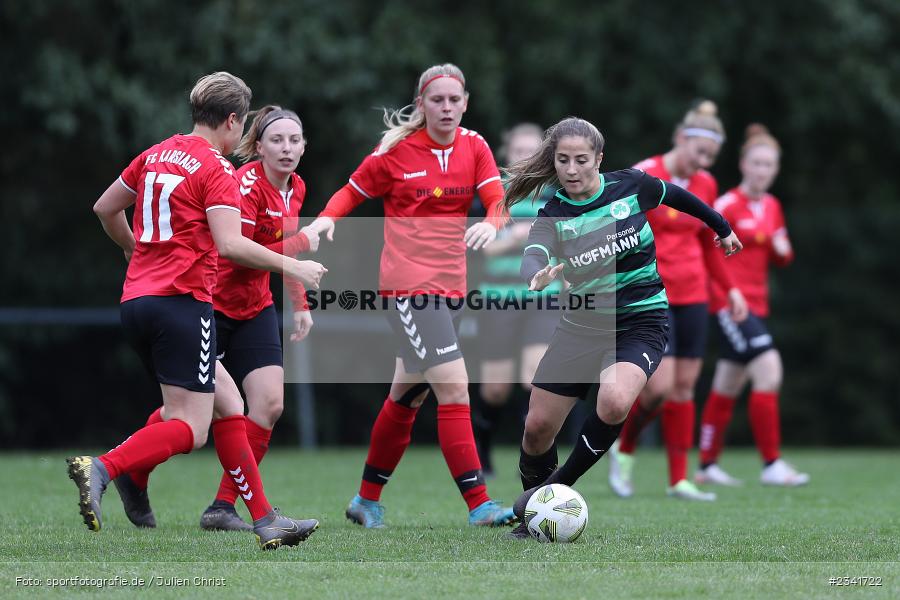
[88, 85]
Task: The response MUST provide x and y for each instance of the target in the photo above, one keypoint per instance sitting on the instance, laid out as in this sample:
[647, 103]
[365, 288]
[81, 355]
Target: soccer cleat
[520, 532]
[715, 474]
[620, 467]
[222, 516]
[686, 490]
[368, 513]
[783, 474]
[491, 514]
[522, 501]
[135, 501]
[275, 530]
[90, 475]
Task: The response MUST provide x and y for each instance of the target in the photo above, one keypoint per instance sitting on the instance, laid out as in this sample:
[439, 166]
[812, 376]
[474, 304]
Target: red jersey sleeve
[342, 203]
[132, 173]
[486, 169]
[779, 228]
[221, 188]
[713, 256]
[371, 178]
[714, 259]
[297, 293]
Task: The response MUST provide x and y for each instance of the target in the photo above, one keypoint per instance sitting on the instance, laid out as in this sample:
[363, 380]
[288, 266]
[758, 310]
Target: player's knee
[613, 406]
[267, 409]
[452, 393]
[538, 430]
[684, 389]
[767, 383]
[200, 436]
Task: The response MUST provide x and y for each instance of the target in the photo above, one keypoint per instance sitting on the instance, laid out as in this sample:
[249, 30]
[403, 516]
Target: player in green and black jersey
[614, 330]
[520, 331]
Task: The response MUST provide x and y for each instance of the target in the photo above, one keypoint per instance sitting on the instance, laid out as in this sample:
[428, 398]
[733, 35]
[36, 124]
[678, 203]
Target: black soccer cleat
[91, 477]
[275, 530]
[222, 516]
[522, 502]
[520, 532]
[135, 501]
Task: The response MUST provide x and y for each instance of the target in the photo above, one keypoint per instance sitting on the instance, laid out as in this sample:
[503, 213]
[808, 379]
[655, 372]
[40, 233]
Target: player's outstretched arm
[110, 209]
[225, 226]
[684, 201]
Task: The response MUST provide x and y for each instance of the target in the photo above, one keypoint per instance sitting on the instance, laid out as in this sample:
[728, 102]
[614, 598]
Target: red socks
[713, 425]
[764, 422]
[391, 434]
[638, 418]
[230, 434]
[258, 437]
[140, 478]
[148, 447]
[678, 435]
[458, 446]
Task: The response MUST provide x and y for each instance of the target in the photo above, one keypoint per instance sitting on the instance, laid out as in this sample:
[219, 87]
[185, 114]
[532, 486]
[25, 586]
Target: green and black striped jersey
[607, 247]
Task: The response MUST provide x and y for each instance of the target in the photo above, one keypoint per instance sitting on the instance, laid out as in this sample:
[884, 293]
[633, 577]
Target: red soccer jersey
[427, 190]
[679, 248]
[268, 215]
[756, 223]
[176, 181]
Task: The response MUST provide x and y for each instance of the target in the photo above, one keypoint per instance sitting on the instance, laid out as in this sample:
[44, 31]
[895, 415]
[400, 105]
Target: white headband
[701, 132]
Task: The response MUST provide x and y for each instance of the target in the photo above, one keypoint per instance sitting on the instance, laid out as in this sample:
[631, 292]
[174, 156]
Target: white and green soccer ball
[556, 513]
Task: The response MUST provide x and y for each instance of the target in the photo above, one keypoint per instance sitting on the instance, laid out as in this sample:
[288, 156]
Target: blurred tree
[87, 85]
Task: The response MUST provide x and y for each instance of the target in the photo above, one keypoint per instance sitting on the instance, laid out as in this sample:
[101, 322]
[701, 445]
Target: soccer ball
[556, 513]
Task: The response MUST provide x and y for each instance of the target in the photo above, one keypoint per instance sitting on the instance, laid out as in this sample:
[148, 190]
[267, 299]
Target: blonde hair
[758, 134]
[265, 116]
[522, 129]
[403, 122]
[529, 176]
[216, 96]
[702, 117]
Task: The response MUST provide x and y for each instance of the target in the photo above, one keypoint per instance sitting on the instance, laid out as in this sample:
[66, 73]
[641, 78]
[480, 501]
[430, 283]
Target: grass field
[754, 542]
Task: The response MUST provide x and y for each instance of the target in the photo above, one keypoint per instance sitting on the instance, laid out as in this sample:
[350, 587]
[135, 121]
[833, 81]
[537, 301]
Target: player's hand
[303, 322]
[737, 305]
[308, 272]
[545, 277]
[128, 254]
[480, 235]
[781, 244]
[313, 236]
[731, 244]
[323, 225]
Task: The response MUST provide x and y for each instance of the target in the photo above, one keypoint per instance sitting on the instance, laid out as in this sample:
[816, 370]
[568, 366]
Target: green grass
[753, 542]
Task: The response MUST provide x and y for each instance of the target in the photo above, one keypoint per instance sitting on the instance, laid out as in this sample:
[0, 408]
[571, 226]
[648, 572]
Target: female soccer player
[597, 227]
[247, 332]
[427, 169]
[187, 207]
[502, 333]
[748, 352]
[687, 260]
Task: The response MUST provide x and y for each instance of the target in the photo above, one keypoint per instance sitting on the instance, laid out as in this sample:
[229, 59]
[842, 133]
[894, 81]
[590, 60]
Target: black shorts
[503, 334]
[175, 336]
[244, 346]
[578, 354]
[426, 330]
[688, 324]
[744, 341]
